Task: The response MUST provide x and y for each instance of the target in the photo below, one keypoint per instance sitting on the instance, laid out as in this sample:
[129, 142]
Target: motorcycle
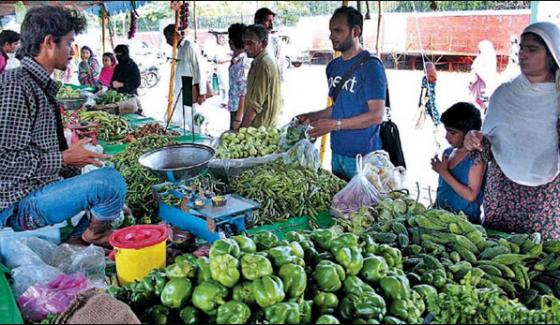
[149, 77]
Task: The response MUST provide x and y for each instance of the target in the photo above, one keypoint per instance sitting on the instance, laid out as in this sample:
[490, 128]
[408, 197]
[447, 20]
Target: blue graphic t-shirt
[367, 83]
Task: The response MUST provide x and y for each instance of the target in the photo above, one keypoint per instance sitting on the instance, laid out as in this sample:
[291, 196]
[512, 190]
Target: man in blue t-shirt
[355, 117]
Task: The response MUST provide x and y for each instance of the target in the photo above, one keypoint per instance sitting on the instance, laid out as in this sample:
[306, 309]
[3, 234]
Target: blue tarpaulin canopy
[113, 7]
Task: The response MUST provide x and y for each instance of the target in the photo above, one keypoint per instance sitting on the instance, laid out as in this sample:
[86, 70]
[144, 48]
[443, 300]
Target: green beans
[138, 179]
[286, 191]
[111, 127]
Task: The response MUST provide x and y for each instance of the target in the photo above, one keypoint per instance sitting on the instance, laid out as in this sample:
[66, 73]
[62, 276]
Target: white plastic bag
[359, 192]
[382, 174]
[304, 154]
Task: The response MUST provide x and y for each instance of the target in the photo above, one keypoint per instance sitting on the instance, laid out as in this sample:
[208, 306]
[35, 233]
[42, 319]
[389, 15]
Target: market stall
[247, 228]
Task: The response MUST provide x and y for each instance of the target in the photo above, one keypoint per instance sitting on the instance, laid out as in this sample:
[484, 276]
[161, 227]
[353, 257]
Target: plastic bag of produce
[292, 133]
[17, 253]
[305, 154]
[359, 192]
[51, 298]
[382, 174]
[27, 276]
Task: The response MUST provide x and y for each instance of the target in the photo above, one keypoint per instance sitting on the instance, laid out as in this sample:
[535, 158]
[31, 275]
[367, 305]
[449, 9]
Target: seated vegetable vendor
[34, 155]
[460, 177]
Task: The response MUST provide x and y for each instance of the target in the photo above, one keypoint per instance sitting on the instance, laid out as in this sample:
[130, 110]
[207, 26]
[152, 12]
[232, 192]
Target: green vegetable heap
[111, 127]
[139, 179]
[111, 96]
[248, 142]
[286, 190]
[65, 92]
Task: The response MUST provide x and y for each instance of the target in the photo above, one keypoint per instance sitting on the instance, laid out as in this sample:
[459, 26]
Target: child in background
[460, 185]
[109, 63]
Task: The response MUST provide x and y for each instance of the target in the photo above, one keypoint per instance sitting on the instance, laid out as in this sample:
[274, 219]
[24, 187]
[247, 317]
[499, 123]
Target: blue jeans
[101, 191]
[343, 167]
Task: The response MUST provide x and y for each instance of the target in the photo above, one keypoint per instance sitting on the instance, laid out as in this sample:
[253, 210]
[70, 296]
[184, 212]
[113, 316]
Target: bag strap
[351, 71]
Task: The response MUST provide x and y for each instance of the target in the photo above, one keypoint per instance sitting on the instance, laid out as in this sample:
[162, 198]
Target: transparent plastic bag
[293, 133]
[86, 260]
[29, 275]
[359, 192]
[382, 174]
[17, 253]
[43, 248]
[304, 154]
[51, 298]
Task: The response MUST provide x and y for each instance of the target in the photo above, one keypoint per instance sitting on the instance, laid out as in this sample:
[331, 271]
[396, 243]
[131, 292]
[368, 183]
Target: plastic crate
[324, 220]
[9, 312]
[50, 233]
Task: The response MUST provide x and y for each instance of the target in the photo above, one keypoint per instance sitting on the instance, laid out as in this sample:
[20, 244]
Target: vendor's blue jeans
[101, 191]
[343, 167]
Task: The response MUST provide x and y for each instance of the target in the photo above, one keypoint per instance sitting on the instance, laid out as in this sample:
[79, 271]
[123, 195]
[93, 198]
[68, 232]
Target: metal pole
[195, 22]
[172, 75]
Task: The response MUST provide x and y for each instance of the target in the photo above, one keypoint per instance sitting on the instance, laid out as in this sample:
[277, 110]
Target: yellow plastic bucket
[138, 250]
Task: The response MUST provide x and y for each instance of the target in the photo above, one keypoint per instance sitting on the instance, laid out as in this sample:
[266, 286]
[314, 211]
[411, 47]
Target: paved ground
[305, 90]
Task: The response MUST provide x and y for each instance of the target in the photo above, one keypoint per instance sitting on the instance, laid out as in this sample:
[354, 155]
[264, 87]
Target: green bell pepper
[158, 314]
[396, 287]
[392, 320]
[295, 236]
[268, 290]
[254, 266]
[246, 244]
[425, 291]
[183, 267]
[345, 240]
[294, 279]
[225, 269]
[281, 255]
[374, 269]
[323, 238]
[265, 240]
[208, 295]
[406, 310]
[159, 281]
[203, 273]
[350, 258]
[305, 311]
[392, 256]
[189, 315]
[327, 319]
[439, 278]
[326, 302]
[283, 313]
[368, 306]
[355, 285]
[297, 250]
[233, 312]
[176, 293]
[370, 246]
[244, 292]
[329, 276]
[282, 242]
[224, 246]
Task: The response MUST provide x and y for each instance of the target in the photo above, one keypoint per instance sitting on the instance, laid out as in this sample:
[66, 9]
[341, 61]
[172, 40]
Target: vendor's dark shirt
[30, 144]
[128, 73]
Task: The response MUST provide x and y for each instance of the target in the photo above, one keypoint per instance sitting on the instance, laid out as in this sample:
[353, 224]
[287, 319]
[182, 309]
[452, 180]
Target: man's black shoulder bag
[389, 132]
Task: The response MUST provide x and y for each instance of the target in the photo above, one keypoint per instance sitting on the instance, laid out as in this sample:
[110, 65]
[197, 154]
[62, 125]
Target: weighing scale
[195, 211]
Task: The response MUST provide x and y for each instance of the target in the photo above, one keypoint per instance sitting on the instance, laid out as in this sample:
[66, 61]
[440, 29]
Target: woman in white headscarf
[519, 138]
[484, 74]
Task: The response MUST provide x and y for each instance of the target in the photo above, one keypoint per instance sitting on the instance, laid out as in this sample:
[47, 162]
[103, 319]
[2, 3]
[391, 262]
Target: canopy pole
[103, 18]
[378, 28]
[172, 75]
[325, 138]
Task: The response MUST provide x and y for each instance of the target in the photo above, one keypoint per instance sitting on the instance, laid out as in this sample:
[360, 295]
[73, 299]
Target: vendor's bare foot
[98, 233]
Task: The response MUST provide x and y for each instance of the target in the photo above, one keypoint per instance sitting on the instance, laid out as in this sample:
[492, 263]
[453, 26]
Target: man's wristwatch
[338, 125]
